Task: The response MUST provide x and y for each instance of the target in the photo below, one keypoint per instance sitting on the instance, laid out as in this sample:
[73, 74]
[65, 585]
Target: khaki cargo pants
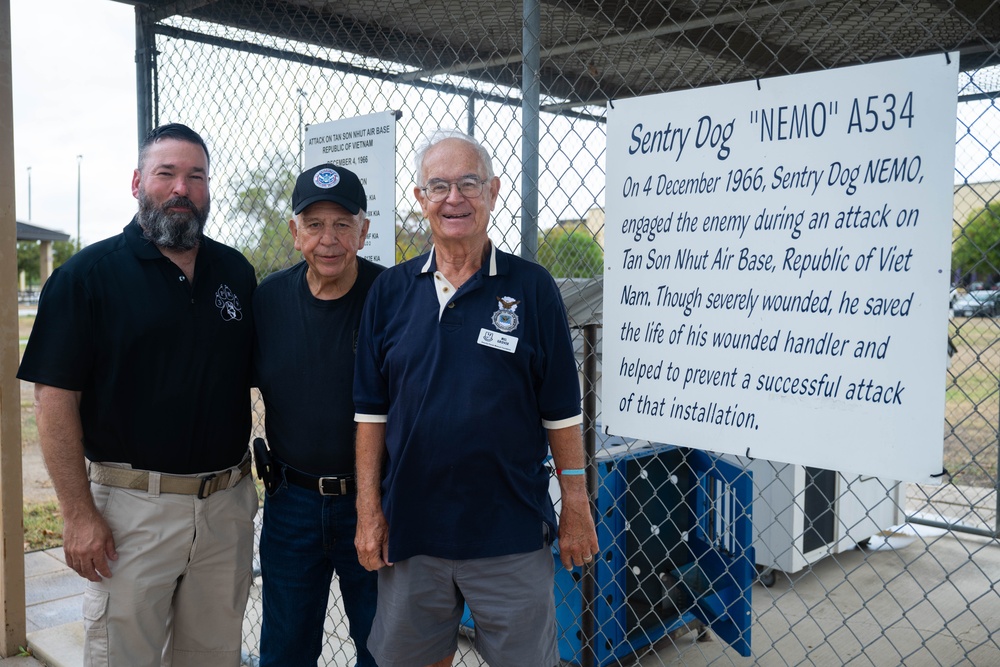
[178, 590]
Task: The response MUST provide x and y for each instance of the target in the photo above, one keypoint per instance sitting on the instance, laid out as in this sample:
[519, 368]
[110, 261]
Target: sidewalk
[53, 592]
[53, 607]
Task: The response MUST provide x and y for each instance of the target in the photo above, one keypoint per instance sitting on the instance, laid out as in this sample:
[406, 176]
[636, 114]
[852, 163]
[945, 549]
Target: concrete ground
[918, 596]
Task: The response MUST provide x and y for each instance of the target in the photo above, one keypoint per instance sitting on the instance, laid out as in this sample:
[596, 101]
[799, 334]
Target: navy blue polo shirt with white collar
[467, 392]
[163, 363]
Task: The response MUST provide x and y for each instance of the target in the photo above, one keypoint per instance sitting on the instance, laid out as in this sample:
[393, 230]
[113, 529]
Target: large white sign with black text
[367, 146]
[777, 267]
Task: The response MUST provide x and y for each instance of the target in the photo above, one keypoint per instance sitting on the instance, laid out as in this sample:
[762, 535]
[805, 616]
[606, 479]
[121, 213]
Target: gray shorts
[420, 605]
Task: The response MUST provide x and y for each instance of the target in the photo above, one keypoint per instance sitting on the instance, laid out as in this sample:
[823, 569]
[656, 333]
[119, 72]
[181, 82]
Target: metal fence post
[145, 75]
[530, 89]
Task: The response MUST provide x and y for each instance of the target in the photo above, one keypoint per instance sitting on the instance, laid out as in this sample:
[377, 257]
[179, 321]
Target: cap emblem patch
[326, 178]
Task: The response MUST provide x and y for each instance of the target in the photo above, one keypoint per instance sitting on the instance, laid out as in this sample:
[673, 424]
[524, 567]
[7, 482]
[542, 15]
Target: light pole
[79, 159]
[29, 194]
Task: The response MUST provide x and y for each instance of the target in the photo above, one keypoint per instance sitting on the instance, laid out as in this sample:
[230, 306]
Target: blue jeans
[304, 539]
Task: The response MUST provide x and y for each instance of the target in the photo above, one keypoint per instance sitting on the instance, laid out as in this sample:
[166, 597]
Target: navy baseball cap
[329, 183]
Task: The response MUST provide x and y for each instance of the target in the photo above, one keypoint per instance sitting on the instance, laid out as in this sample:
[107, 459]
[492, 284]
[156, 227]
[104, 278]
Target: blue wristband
[570, 471]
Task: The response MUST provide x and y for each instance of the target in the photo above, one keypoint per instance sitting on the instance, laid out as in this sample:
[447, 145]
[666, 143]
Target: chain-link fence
[844, 569]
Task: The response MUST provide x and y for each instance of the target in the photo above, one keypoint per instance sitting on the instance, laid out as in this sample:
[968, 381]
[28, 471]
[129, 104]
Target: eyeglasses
[438, 191]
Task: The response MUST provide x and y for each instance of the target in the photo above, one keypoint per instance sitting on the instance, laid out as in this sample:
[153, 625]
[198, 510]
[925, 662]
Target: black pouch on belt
[266, 472]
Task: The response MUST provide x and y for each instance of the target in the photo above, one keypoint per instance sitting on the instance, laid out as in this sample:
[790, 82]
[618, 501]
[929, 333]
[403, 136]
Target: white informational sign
[777, 267]
[367, 146]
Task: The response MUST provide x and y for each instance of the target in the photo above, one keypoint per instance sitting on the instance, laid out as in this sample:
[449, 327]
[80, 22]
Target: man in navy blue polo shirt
[140, 355]
[465, 377]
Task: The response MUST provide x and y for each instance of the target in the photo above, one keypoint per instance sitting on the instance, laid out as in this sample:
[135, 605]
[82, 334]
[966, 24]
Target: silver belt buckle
[323, 491]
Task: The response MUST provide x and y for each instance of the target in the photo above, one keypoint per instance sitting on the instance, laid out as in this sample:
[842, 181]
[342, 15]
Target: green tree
[29, 257]
[62, 251]
[977, 248]
[413, 236]
[570, 254]
[28, 260]
[266, 207]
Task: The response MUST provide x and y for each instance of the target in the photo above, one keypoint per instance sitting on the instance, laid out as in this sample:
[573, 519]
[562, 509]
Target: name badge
[496, 340]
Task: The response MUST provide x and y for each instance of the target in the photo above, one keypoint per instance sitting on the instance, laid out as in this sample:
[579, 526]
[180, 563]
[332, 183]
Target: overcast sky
[74, 94]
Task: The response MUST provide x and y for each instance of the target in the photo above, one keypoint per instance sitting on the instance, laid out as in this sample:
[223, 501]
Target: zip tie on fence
[944, 471]
[606, 430]
[758, 83]
[611, 103]
[947, 58]
[748, 454]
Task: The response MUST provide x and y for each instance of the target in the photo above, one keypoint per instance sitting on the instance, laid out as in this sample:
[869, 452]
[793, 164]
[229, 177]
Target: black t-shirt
[304, 366]
[163, 365]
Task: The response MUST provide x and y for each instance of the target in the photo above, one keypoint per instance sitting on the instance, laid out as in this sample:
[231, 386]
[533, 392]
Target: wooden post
[11, 499]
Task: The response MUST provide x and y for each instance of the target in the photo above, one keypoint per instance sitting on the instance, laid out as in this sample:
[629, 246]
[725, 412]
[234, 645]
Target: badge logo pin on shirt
[505, 319]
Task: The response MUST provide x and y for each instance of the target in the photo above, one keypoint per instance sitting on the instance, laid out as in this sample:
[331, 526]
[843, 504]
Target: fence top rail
[594, 52]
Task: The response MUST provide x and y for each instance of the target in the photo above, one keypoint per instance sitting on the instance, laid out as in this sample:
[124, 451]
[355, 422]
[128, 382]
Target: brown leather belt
[202, 486]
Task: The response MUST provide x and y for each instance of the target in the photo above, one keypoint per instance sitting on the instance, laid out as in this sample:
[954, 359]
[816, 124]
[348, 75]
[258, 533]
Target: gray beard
[177, 231]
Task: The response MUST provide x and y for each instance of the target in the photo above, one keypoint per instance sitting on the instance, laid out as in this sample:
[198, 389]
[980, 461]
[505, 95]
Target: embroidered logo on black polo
[228, 304]
[505, 319]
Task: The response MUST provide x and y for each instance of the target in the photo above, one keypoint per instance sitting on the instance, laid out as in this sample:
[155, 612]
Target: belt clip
[201, 489]
[153, 485]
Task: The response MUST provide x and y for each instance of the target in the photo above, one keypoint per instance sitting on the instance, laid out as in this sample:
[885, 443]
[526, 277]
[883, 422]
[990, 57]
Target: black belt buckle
[201, 488]
[339, 490]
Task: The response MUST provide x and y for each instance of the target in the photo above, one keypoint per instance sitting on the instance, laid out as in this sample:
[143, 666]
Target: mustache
[179, 228]
[180, 202]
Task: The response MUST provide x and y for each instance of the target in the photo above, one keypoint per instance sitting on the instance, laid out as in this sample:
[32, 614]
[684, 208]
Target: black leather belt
[336, 485]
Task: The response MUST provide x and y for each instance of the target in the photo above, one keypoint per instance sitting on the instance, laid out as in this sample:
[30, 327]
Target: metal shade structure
[591, 52]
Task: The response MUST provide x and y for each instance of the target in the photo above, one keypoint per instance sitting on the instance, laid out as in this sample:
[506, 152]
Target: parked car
[977, 303]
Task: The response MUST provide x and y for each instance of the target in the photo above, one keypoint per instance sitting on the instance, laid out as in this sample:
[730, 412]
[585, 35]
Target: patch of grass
[972, 401]
[29, 427]
[24, 324]
[43, 526]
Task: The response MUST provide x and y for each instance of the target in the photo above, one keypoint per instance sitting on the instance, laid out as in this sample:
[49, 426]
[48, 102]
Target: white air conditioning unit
[802, 514]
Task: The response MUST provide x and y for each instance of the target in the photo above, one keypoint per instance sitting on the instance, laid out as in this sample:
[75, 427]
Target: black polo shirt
[163, 365]
[304, 366]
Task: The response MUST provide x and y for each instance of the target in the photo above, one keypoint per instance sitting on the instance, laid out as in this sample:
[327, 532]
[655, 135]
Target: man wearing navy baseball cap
[329, 183]
[307, 319]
